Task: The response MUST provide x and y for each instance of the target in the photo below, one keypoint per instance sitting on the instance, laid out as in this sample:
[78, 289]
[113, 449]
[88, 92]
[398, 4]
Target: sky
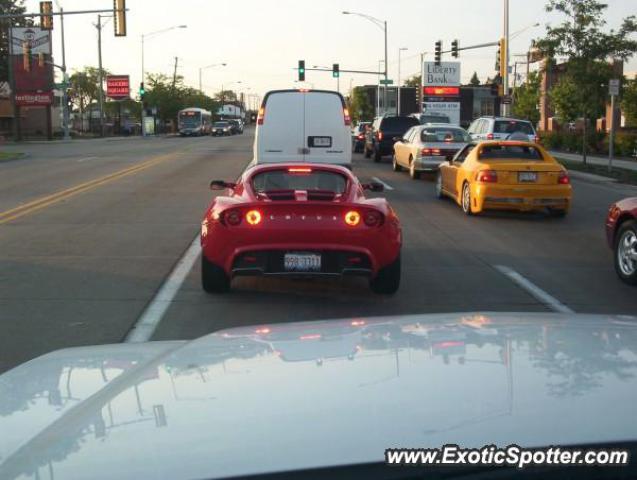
[261, 41]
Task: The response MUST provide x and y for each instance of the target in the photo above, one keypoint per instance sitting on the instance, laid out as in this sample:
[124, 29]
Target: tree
[475, 81]
[526, 99]
[587, 48]
[15, 7]
[227, 96]
[360, 108]
[629, 102]
[85, 87]
[413, 81]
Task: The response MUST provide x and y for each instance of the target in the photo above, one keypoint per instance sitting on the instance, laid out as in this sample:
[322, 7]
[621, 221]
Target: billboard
[33, 82]
[440, 90]
[447, 74]
[38, 39]
[118, 87]
[34, 99]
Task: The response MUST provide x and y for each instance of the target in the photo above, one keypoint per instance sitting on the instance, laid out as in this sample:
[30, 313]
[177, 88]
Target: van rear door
[280, 137]
[327, 137]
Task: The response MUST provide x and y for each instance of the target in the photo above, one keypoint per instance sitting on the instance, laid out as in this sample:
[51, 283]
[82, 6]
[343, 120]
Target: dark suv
[380, 140]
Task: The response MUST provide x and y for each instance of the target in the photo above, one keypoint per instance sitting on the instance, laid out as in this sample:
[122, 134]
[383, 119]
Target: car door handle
[303, 151]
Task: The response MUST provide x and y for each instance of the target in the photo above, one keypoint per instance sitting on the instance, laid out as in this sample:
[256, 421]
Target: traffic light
[26, 56]
[119, 17]
[41, 60]
[301, 70]
[142, 92]
[438, 51]
[454, 49]
[46, 17]
[335, 71]
[502, 56]
[498, 54]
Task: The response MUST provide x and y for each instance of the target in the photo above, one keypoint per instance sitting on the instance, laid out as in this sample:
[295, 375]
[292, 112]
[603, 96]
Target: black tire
[466, 205]
[413, 173]
[558, 212]
[377, 156]
[213, 277]
[388, 279]
[626, 241]
[439, 193]
[395, 166]
[368, 153]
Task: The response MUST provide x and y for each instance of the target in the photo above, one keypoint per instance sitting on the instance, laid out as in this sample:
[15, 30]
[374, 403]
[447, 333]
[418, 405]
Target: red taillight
[563, 178]
[361, 136]
[262, 331]
[232, 217]
[430, 151]
[260, 116]
[536, 139]
[253, 217]
[299, 170]
[346, 117]
[352, 218]
[487, 176]
[372, 218]
[489, 136]
[379, 135]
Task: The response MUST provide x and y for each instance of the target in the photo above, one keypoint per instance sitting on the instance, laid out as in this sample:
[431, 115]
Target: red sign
[31, 99]
[35, 78]
[441, 91]
[118, 86]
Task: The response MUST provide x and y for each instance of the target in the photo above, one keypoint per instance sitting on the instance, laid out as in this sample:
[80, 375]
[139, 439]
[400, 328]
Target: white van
[303, 125]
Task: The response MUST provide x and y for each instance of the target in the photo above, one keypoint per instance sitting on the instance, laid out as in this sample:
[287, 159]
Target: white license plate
[302, 262]
[321, 142]
[527, 177]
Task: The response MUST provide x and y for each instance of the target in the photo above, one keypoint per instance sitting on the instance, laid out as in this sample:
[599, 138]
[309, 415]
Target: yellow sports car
[505, 175]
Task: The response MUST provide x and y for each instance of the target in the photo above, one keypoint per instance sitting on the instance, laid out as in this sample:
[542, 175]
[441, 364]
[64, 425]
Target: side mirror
[374, 187]
[397, 139]
[221, 185]
[450, 158]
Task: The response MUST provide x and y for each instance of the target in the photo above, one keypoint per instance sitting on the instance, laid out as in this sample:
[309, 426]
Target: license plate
[527, 177]
[302, 262]
[321, 142]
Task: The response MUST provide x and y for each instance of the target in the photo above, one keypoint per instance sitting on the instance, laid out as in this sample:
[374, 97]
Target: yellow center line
[48, 200]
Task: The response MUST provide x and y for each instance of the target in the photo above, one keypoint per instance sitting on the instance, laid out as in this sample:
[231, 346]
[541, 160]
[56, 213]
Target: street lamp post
[402, 49]
[144, 36]
[382, 24]
[208, 66]
[338, 79]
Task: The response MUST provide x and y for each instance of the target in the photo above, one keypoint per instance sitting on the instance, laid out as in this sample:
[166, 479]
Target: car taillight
[361, 136]
[379, 135]
[299, 170]
[253, 217]
[489, 136]
[346, 117]
[563, 178]
[352, 218]
[430, 151]
[487, 176]
[231, 217]
[372, 218]
[261, 116]
[536, 139]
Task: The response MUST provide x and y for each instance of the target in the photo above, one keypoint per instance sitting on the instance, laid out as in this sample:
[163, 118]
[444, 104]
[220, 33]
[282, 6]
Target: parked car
[502, 128]
[425, 147]
[221, 128]
[505, 175]
[236, 126]
[621, 233]
[303, 126]
[358, 136]
[380, 141]
[296, 219]
[432, 117]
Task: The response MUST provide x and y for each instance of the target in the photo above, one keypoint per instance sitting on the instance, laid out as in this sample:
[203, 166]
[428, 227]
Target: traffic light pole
[505, 77]
[65, 95]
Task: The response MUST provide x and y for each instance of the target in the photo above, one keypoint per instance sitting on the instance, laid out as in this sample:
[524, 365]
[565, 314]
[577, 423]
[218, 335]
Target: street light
[382, 24]
[338, 79]
[522, 30]
[208, 66]
[402, 49]
[144, 36]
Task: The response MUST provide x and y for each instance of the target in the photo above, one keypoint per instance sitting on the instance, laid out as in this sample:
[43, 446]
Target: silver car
[423, 148]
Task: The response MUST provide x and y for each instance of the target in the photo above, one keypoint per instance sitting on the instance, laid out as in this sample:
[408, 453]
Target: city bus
[194, 121]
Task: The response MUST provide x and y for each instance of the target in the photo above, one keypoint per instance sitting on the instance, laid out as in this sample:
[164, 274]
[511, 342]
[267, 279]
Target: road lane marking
[387, 187]
[535, 291]
[48, 200]
[85, 159]
[149, 320]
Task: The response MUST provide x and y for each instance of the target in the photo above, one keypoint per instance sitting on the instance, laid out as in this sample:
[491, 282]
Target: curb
[591, 177]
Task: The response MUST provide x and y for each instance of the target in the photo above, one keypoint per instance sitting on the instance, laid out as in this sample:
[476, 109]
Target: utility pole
[65, 96]
[101, 73]
[505, 77]
[175, 73]
[386, 65]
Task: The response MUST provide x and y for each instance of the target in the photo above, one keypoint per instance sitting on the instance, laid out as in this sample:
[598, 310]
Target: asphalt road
[89, 232]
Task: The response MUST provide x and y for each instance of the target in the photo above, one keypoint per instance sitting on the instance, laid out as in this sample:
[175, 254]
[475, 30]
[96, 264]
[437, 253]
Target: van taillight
[260, 116]
[379, 135]
[346, 117]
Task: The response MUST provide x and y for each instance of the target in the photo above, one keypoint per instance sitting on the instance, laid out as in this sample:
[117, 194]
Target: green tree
[85, 87]
[413, 81]
[588, 48]
[526, 99]
[15, 7]
[475, 81]
[227, 96]
[629, 102]
[361, 110]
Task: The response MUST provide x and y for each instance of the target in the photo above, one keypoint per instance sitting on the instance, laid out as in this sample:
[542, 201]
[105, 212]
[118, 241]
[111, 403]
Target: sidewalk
[595, 160]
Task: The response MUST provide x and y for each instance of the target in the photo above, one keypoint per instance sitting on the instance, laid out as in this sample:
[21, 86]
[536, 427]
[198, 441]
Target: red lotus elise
[621, 233]
[299, 219]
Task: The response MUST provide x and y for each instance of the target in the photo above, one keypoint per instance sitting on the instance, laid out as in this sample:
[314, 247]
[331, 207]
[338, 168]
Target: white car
[303, 125]
[502, 128]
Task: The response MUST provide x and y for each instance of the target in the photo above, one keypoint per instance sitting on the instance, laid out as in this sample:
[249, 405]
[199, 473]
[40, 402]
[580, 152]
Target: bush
[597, 142]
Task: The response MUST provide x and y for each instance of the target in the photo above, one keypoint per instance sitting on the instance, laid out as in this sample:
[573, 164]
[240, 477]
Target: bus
[194, 121]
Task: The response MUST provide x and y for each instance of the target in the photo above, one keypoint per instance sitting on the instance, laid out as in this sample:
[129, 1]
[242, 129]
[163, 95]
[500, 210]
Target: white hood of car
[302, 395]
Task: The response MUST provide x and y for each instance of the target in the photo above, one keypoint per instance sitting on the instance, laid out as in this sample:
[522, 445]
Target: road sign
[387, 82]
[613, 86]
[118, 86]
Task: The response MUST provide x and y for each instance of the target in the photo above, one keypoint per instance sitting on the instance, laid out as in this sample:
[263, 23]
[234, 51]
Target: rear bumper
[522, 197]
[427, 164]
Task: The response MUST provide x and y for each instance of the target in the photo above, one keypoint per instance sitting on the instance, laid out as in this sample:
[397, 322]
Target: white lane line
[152, 315]
[535, 291]
[86, 158]
[387, 187]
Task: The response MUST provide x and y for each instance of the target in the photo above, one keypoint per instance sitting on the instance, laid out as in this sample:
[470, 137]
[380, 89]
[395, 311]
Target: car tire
[558, 212]
[440, 194]
[413, 173]
[387, 280]
[465, 200]
[213, 277]
[377, 155]
[394, 163]
[625, 248]
[368, 153]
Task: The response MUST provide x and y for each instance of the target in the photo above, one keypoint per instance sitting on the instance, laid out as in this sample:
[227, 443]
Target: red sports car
[299, 219]
[621, 232]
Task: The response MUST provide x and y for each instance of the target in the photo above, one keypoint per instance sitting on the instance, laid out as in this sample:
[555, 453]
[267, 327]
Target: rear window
[299, 179]
[221, 124]
[512, 126]
[433, 135]
[434, 119]
[510, 152]
[398, 124]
